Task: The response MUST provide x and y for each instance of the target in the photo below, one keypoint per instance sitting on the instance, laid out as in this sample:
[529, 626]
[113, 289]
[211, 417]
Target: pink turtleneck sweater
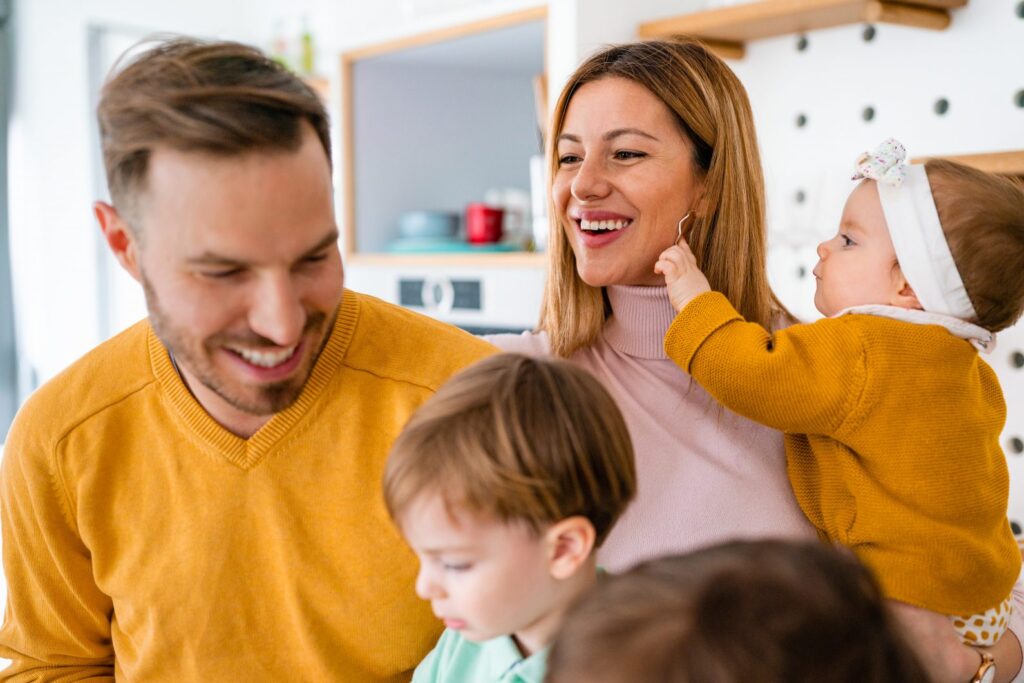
[706, 475]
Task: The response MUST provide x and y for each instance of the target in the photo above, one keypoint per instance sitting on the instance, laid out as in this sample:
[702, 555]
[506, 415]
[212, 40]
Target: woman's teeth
[266, 359]
[603, 225]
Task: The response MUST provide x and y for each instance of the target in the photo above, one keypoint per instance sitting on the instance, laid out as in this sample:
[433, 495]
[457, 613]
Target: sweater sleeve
[803, 379]
[57, 622]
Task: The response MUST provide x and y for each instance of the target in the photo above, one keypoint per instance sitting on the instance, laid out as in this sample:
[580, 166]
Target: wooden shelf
[1001, 163]
[726, 30]
[488, 259]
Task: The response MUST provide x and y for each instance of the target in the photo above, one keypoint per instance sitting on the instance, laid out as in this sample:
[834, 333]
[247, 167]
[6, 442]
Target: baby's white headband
[916, 232]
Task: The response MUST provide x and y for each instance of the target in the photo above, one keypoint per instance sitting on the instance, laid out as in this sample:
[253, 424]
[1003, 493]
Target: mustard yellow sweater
[142, 539]
[892, 439]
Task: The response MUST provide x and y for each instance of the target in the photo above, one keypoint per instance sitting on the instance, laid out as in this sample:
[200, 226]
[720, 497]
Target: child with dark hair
[504, 483]
[742, 612]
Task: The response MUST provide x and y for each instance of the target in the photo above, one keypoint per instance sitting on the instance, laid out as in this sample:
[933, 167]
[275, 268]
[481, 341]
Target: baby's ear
[902, 293]
[570, 543]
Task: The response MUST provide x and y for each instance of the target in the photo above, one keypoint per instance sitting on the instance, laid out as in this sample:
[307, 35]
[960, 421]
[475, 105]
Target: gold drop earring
[679, 227]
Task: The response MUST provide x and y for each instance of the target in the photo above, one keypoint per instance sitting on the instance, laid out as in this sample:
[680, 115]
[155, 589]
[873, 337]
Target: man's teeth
[266, 359]
[603, 225]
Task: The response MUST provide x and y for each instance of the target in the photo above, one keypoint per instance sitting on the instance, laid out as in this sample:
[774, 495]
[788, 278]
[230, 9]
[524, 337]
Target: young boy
[892, 420]
[504, 483]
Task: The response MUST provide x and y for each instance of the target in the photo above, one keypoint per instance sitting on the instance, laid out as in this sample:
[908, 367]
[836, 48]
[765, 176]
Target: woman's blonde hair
[727, 237]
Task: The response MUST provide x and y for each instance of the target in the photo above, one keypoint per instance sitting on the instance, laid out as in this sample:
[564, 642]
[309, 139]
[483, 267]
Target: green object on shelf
[306, 56]
[446, 245]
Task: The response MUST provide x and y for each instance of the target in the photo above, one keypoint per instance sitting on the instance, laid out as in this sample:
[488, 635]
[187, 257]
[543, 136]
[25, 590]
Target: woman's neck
[640, 318]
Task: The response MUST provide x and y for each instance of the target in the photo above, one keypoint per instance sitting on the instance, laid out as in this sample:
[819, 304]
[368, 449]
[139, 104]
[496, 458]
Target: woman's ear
[902, 293]
[119, 237]
[570, 543]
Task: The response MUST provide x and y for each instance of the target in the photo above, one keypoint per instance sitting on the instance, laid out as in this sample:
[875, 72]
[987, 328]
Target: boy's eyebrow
[212, 258]
[446, 549]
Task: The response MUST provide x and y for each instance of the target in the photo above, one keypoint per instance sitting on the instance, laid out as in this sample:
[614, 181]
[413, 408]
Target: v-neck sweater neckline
[247, 453]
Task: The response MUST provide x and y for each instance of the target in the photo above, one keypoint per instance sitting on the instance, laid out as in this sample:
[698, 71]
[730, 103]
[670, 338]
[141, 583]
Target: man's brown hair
[519, 439]
[982, 216]
[221, 98]
[743, 612]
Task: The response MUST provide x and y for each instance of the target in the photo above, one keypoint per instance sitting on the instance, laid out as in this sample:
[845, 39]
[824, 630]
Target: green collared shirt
[457, 659]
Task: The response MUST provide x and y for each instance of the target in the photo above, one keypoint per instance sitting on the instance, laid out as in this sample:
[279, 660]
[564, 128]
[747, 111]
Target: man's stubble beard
[270, 398]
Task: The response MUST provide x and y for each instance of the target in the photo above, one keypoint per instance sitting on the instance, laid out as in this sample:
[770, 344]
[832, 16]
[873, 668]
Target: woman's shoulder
[530, 343]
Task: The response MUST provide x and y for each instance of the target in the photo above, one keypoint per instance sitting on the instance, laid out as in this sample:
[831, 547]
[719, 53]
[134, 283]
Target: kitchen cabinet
[434, 120]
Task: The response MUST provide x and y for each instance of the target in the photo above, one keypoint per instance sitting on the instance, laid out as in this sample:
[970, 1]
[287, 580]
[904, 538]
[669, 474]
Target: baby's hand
[682, 276]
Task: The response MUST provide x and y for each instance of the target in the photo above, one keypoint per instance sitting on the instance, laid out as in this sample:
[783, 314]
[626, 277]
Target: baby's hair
[982, 217]
[519, 439]
[743, 612]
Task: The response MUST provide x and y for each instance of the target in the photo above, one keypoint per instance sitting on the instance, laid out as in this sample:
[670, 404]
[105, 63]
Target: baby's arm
[682, 276]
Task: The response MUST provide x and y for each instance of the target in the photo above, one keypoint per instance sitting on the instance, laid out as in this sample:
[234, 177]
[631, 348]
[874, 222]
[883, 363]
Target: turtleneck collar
[640, 318]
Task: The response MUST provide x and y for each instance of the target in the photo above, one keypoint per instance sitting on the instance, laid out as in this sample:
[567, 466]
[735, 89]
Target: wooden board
[733, 26]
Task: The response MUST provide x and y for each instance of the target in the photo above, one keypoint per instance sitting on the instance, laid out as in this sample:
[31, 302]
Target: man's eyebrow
[611, 135]
[212, 258]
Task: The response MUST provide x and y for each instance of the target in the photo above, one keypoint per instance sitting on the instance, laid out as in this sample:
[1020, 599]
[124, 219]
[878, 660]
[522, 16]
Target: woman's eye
[847, 242]
[315, 258]
[567, 159]
[623, 155]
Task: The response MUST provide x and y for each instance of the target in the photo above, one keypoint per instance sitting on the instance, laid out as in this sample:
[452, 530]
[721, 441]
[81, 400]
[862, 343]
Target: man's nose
[276, 312]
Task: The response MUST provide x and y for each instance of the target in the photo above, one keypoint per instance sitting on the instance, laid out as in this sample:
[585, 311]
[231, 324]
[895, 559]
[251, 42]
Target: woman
[649, 142]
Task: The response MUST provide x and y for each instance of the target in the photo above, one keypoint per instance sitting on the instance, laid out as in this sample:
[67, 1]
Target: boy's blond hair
[982, 217]
[519, 439]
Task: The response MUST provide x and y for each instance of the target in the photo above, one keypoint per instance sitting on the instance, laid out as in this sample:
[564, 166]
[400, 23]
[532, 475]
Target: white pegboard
[977, 66]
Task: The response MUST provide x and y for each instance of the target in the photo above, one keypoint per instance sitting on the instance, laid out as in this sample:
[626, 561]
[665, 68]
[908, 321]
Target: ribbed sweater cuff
[695, 323]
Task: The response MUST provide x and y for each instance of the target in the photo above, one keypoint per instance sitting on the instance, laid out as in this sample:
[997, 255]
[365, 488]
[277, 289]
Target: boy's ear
[119, 237]
[903, 294]
[570, 543]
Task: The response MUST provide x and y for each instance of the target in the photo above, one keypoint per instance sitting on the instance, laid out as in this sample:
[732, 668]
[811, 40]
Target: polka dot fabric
[983, 630]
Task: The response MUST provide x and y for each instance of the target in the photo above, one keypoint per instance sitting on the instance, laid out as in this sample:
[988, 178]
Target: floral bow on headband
[884, 165]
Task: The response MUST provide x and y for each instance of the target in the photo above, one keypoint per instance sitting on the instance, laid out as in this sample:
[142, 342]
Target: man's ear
[902, 293]
[119, 237]
[570, 543]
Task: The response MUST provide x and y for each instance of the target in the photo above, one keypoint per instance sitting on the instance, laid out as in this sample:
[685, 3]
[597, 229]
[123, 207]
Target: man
[197, 499]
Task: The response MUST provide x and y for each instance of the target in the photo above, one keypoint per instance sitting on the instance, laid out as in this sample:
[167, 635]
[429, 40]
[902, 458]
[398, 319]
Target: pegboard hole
[801, 120]
[941, 106]
[868, 113]
[802, 43]
[1015, 527]
[1017, 359]
[800, 196]
[869, 33]
[1015, 445]
[1020, 10]
[1019, 98]
[801, 272]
